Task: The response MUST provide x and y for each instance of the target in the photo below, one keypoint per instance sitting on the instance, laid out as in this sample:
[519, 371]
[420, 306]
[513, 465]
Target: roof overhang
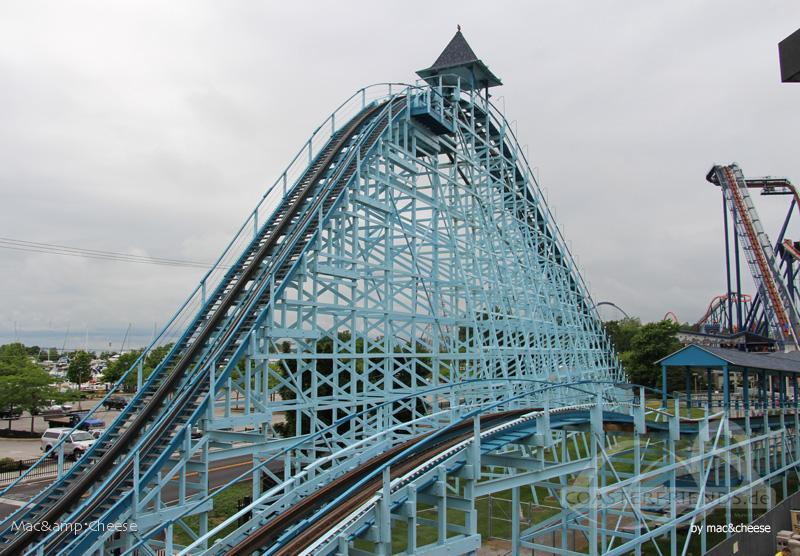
[695, 355]
[692, 356]
[472, 75]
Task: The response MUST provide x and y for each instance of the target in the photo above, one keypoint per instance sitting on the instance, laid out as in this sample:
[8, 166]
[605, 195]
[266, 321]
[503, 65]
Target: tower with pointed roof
[458, 63]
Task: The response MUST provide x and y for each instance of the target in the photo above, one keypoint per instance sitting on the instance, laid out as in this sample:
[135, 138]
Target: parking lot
[25, 448]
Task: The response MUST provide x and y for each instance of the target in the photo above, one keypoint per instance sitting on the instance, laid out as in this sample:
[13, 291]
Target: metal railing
[11, 470]
[259, 216]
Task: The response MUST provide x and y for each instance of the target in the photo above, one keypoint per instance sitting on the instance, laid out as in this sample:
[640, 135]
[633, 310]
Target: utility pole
[64, 345]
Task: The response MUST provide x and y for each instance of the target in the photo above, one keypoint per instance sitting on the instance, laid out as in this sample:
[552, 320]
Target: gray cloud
[152, 128]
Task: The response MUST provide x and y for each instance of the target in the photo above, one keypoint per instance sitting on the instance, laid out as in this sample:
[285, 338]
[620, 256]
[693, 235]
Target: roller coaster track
[127, 460]
[790, 248]
[759, 254]
[161, 410]
[757, 320]
[121, 467]
[434, 170]
[717, 306]
[301, 527]
[271, 531]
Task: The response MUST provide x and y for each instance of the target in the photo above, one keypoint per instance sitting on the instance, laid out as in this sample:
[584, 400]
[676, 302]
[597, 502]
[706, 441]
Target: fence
[10, 470]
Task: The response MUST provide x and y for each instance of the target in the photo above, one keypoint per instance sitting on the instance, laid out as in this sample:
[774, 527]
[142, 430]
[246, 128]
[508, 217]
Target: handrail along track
[190, 356]
[271, 531]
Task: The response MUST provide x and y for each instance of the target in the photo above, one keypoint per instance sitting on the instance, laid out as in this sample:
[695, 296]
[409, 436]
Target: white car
[56, 408]
[74, 446]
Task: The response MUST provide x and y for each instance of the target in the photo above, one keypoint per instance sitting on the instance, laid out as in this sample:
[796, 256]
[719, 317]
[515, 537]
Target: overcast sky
[152, 128]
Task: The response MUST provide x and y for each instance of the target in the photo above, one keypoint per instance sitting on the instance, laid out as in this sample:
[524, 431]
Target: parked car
[56, 408]
[97, 433]
[72, 419]
[13, 413]
[74, 446]
[116, 402]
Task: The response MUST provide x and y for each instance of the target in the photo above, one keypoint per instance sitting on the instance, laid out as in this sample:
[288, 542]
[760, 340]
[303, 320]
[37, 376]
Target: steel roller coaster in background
[771, 313]
[400, 324]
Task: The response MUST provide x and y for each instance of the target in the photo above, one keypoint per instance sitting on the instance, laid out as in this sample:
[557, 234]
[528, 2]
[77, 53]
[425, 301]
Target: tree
[621, 332]
[324, 366]
[399, 375]
[22, 382]
[14, 359]
[650, 343]
[155, 356]
[640, 345]
[115, 369]
[79, 367]
[9, 396]
[31, 391]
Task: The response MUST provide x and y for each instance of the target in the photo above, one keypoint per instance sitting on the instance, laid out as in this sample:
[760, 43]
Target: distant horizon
[138, 338]
[110, 145]
[98, 341]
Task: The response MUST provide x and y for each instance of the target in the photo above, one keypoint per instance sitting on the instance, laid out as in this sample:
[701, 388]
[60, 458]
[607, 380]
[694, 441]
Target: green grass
[225, 505]
[684, 411]
[500, 526]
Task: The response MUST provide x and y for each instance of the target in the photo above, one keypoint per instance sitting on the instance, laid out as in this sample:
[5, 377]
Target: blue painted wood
[693, 356]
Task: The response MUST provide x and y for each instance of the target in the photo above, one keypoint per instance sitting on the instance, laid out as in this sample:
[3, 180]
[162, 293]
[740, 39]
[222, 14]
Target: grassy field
[225, 505]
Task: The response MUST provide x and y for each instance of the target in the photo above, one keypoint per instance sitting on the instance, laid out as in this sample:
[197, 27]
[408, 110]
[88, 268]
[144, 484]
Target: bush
[8, 464]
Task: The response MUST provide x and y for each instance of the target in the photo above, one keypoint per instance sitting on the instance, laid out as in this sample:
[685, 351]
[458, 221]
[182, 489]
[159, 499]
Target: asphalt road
[221, 473]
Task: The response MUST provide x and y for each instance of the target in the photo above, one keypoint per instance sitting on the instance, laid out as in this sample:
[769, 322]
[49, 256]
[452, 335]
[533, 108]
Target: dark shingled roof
[456, 52]
[757, 360]
[458, 61]
[771, 361]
